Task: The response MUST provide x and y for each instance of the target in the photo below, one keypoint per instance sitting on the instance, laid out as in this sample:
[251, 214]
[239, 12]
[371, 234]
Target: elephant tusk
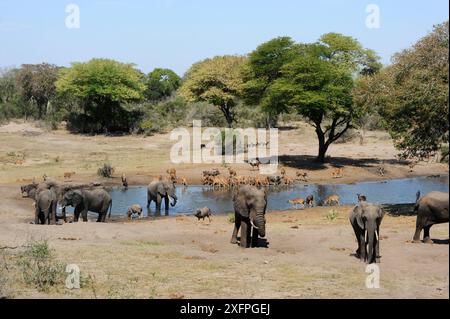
[365, 236]
[251, 222]
[376, 234]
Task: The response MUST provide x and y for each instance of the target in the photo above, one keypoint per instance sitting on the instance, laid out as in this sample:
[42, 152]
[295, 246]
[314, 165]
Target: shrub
[332, 214]
[38, 266]
[444, 154]
[106, 170]
[231, 218]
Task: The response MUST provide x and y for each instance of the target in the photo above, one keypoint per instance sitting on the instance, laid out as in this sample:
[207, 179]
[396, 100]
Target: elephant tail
[110, 209]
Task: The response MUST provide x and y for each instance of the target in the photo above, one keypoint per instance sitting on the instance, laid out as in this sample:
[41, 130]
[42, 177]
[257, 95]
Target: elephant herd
[250, 204]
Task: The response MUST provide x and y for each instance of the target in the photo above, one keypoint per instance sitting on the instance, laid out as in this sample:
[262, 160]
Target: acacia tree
[259, 72]
[102, 86]
[411, 95]
[160, 84]
[36, 85]
[316, 80]
[216, 81]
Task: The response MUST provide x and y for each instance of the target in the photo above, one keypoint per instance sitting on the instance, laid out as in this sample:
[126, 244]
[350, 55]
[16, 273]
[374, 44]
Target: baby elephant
[134, 210]
[202, 213]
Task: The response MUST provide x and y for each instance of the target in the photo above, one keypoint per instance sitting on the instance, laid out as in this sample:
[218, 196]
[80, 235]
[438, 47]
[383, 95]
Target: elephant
[366, 220]
[97, 201]
[45, 196]
[159, 190]
[431, 209]
[250, 205]
[45, 207]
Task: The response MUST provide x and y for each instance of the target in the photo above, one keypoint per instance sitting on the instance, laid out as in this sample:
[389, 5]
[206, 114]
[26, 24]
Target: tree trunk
[323, 146]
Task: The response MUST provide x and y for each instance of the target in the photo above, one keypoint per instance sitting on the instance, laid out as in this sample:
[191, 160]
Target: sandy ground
[308, 256]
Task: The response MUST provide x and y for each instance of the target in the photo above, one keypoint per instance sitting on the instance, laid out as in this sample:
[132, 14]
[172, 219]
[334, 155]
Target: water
[385, 192]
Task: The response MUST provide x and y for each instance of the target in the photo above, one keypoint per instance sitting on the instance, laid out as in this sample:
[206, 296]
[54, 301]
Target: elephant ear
[359, 214]
[77, 198]
[241, 205]
[161, 189]
[380, 213]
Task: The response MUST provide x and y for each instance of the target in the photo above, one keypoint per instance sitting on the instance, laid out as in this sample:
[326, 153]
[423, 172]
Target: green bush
[332, 214]
[231, 218]
[39, 267]
[444, 154]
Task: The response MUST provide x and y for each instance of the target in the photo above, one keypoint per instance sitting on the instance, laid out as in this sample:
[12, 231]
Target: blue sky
[177, 33]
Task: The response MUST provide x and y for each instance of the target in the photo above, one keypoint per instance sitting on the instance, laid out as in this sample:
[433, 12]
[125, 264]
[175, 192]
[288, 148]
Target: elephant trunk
[372, 239]
[259, 223]
[174, 197]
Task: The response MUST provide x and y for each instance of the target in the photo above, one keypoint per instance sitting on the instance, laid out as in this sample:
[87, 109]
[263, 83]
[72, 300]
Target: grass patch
[332, 214]
[38, 266]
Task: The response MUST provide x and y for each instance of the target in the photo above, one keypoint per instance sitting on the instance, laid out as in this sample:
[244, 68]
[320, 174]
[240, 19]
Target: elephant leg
[254, 237]
[166, 205]
[358, 251]
[362, 248]
[158, 204]
[237, 225]
[99, 218]
[76, 214]
[426, 235]
[104, 217]
[36, 214]
[245, 234]
[84, 214]
[53, 212]
[416, 238]
[64, 215]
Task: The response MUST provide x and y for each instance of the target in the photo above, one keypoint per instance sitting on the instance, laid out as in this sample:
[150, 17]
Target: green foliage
[160, 84]
[444, 154]
[38, 266]
[102, 87]
[216, 81]
[36, 87]
[332, 215]
[315, 79]
[107, 170]
[231, 218]
[411, 95]
[261, 70]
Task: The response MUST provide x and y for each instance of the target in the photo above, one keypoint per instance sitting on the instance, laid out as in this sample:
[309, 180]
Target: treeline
[334, 84]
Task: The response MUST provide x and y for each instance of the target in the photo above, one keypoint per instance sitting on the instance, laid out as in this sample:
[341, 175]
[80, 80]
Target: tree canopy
[36, 85]
[216, 81]
[160, 84]
[102, 86]
[411, 95]
[314, 79]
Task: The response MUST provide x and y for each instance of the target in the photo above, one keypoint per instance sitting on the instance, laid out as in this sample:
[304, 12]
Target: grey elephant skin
[159, 190]
[97, 201]
[45, 196]
[366, 220]
[431, 209]
[250, 205]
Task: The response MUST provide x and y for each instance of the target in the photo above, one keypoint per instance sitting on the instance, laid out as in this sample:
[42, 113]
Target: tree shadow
[440, 241]
[310, 162]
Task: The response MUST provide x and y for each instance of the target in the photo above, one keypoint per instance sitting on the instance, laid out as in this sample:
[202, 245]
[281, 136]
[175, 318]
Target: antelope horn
[251, 222]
